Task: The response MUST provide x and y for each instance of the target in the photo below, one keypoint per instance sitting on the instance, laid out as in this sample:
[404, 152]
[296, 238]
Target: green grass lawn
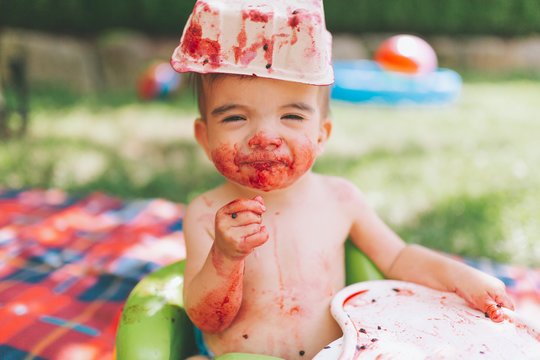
[463, 178]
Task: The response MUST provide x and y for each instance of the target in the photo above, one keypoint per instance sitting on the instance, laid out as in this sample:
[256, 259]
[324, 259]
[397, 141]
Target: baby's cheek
[304, 157]
[223, 158]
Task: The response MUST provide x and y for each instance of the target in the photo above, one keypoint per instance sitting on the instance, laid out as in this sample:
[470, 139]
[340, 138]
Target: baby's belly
[291, 324]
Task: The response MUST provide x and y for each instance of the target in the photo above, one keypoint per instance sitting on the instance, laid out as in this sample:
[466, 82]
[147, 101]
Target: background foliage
[429, 17]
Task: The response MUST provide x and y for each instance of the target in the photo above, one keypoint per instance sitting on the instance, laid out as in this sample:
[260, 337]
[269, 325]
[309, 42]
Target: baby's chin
[262, 183]
[274, 178]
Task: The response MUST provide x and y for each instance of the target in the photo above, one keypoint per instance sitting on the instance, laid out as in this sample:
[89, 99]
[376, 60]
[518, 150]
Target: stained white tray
[398, 320]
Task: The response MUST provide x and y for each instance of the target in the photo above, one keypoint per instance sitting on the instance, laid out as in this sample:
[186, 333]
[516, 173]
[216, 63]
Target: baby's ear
[201, 134]
[324, 133]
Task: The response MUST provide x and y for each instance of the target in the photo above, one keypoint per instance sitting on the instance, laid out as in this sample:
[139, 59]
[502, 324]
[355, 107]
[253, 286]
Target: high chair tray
[387, 319]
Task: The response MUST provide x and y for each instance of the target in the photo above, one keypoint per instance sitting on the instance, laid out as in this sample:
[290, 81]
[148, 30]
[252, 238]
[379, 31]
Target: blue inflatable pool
[364, 81]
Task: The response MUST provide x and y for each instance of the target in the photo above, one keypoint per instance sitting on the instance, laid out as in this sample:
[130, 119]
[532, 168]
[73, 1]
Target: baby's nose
[265, 141]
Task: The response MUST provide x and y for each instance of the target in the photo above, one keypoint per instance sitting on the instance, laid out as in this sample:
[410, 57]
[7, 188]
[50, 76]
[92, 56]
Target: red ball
[157, 81]
[407, 54]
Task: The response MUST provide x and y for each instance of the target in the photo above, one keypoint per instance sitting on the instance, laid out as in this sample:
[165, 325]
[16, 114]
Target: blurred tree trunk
[18, 83]
[3, 113]
[19, 80]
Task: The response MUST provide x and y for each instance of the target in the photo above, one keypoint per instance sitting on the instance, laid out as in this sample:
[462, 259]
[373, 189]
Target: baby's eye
[233, 118]
[293, 117]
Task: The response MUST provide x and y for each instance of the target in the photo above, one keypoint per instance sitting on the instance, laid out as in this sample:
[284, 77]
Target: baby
[265, 251]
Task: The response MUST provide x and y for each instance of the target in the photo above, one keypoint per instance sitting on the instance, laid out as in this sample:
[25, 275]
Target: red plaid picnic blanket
[67, 264]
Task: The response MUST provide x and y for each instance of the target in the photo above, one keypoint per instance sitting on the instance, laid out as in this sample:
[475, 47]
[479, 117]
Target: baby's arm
[214, 269]
[414, 263]
[482, 291]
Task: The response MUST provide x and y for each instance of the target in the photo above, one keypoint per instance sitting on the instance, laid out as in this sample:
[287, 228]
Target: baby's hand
[238, 227]
[485, 293]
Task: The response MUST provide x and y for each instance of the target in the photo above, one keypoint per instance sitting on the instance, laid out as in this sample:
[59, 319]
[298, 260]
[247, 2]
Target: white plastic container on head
[279, 39]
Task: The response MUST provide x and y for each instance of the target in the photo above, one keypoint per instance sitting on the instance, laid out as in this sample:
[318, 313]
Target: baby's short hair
[197, 80]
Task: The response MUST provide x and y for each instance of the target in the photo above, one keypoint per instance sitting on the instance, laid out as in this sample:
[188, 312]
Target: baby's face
[262, 133]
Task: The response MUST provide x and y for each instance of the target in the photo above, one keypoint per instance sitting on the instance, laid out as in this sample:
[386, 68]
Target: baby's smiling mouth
[263, 164]
[264, 160]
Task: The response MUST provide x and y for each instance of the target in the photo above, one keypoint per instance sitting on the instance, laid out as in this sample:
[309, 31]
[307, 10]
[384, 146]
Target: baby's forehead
[213, 82]
[224, 85]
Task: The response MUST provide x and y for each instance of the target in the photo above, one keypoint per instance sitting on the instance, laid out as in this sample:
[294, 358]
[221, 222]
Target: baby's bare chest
[300, 260]
[288, 285]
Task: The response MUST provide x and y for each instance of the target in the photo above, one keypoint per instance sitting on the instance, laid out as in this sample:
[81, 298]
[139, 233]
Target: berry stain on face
[267, 163]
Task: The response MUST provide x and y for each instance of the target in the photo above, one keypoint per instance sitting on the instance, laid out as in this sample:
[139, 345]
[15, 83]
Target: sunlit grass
[462, 178]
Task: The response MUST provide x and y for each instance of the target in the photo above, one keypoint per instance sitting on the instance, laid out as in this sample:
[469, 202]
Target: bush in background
[499, 17]
[428, 17]
[88, 17]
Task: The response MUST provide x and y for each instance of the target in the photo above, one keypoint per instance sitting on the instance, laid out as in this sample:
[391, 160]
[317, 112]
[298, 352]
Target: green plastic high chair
[154, 325]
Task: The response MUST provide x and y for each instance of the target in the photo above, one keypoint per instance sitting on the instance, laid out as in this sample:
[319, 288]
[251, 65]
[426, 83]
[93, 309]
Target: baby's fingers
[242, 205]
[494, 311]
[503, 299]
[493, 306]
[252, 236]
[239, 213]
[244, 218]
[256, 239]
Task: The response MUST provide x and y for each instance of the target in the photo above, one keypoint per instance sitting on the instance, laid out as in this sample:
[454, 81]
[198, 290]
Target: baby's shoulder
[203, 203]
[339, 188]
[344, 197]
[332, 180]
